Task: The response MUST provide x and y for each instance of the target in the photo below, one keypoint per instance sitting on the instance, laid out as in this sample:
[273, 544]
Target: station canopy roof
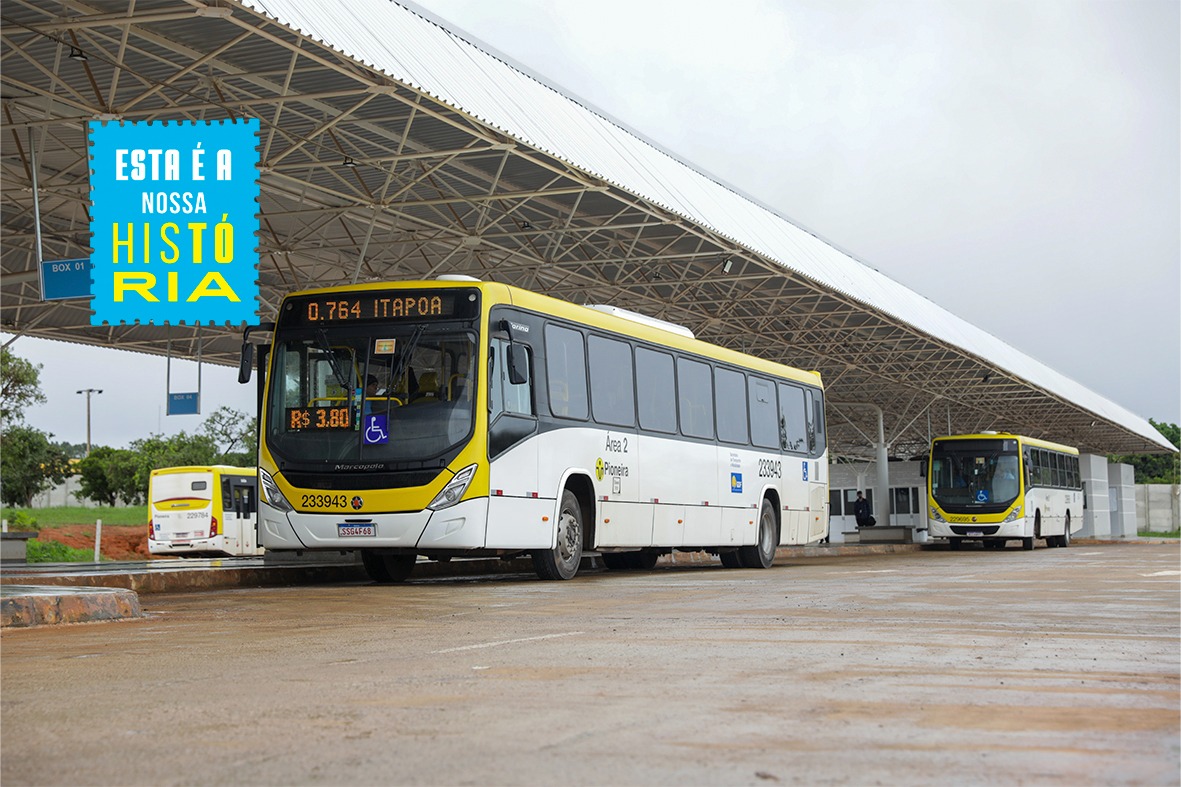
[394, 148]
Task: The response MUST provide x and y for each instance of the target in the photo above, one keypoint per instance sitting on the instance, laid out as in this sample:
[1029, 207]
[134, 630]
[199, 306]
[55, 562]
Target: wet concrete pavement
[1046, 667]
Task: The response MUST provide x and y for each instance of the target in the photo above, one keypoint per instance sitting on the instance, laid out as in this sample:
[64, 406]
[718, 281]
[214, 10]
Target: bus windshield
[386, 396]
[975, 474]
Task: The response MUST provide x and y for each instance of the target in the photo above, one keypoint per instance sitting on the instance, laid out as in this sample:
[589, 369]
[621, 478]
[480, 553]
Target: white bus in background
[996, 487]
[203, 511]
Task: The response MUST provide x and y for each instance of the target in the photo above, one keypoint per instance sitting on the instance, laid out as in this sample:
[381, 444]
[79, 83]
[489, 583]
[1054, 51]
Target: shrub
[56, 552]
[21, 520]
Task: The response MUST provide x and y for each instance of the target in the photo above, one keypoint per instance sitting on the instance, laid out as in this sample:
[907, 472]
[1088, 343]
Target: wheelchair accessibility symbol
[376, 429]
[982, 496]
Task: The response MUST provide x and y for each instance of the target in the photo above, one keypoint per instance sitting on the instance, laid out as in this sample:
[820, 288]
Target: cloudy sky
[1016, 162]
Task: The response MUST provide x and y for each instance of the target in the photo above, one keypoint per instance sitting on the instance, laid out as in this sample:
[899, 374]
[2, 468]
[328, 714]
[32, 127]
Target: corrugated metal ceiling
[467, 164]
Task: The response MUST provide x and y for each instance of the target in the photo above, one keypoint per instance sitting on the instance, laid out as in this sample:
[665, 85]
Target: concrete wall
[1097, 514]
[63, 495]
[1121, 499]
[1158, 507]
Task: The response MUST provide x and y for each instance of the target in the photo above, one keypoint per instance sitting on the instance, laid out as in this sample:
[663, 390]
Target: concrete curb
[22, 605]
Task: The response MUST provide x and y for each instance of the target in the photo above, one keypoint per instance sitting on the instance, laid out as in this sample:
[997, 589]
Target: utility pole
[88, 392]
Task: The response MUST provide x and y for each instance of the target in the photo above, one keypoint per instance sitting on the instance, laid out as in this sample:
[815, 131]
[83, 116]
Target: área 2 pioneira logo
[174, 222]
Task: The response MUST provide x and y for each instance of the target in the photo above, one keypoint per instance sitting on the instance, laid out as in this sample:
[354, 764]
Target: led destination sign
[380, 306]
[314, 418]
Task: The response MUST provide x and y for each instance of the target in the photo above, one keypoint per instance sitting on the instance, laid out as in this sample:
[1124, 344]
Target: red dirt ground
[120, 542]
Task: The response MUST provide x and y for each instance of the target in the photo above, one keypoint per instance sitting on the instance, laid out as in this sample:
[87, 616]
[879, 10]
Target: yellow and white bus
[463, 418]
[996, 487]
[203, 511]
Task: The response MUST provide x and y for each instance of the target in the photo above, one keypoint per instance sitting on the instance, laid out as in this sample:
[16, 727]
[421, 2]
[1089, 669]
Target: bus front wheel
[562, 561]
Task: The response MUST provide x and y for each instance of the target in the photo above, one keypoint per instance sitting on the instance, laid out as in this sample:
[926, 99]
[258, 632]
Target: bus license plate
[975, 532]
[352, 531]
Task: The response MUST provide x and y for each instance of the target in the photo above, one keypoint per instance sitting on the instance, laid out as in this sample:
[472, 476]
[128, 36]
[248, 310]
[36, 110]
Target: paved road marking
[1163, 574]
[506, 642]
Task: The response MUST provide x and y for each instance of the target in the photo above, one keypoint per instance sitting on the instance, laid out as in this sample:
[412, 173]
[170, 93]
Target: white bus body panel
[648, 491]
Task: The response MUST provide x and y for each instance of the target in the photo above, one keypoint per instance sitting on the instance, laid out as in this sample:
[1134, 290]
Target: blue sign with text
[65, 279]
[184, 403]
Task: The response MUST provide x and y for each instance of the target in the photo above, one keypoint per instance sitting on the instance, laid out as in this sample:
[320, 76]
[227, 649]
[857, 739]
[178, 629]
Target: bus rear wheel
[762, 554]
[562, 561]
[1064, 539]
[387, 569]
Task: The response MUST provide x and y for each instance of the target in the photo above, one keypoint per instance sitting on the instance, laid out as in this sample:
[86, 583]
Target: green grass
[60, 516]
[1166, 534]
[56, 552]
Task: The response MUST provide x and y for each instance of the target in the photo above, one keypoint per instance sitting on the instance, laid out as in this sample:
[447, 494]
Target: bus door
[241, 514]
[517, 501]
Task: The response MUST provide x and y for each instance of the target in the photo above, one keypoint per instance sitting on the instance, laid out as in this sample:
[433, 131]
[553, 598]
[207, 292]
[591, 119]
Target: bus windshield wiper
[334, 362]
[404, 361]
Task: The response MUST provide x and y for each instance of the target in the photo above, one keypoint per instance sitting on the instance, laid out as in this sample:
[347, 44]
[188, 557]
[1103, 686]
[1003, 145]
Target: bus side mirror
[518, 364]
[245, 362]
[922, 469]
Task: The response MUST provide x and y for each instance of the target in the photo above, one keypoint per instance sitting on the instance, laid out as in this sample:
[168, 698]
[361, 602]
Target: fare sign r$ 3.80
[174, 222]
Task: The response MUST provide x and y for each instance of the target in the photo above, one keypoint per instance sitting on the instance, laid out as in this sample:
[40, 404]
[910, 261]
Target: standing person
[861, 512]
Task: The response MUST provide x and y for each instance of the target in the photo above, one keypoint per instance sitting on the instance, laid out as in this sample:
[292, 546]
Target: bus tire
[730, 559]
[762, 554]
[387, 569]
[955, 544]
[1027, 544]
[1064, 539]
[562, 561]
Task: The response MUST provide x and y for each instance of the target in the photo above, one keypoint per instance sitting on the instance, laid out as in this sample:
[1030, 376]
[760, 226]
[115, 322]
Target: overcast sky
[1018, 163]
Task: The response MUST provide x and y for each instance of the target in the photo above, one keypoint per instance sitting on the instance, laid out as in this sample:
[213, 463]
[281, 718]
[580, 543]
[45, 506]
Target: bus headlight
[454, 490]
[270, 492]
[935, 515]
[1014, 515]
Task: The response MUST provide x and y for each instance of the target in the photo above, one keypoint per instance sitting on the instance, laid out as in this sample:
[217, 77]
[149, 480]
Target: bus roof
[1031, 441]
[206, 469]
[498, 293]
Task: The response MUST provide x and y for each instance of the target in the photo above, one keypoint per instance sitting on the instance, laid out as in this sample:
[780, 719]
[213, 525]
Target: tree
[109, 474]
[20, 385]
[1157, 468]
[73, 450]
[235, 433]
[178, 450]
[29, 464]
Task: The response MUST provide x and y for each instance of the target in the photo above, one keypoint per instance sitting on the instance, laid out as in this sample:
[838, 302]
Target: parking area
[1047, 667]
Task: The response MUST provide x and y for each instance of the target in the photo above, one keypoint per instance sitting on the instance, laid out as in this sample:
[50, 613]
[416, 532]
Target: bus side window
[809, 420]
[565, 364]
[763, 418]
[791, 411]
[656, 386]
[504, 396]
[821, 438]
[695, 398]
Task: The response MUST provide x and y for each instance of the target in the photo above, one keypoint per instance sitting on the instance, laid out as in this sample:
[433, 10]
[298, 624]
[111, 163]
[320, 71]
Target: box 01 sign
[174, 222]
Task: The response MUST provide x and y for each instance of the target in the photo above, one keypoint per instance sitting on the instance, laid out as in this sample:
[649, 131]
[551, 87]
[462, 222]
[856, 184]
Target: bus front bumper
[461, 526]
[1015, 529]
